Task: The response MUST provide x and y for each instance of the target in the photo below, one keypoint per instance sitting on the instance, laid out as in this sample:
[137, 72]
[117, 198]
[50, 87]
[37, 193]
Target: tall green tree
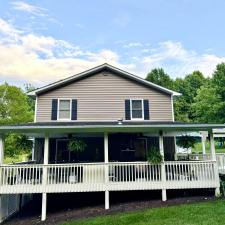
[209, 105]
[188, 87]
[206, 105]
[31, 102]
[15, 108]
[158, 76]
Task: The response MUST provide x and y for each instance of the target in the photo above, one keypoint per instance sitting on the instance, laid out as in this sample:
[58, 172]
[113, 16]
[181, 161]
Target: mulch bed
[30, 215]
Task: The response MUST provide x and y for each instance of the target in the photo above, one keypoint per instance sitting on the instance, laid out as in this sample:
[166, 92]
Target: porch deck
[91, 177]
[108, 176]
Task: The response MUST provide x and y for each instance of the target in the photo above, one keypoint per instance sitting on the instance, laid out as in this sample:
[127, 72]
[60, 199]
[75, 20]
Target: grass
[16, 158]
[206, 213]
[198, 147]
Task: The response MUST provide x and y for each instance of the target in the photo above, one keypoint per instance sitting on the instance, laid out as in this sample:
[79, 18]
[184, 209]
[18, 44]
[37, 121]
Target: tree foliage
[188, 87]
[16, 144]
[209, 104]
[158, 76]
[186, 141]
[15, 108]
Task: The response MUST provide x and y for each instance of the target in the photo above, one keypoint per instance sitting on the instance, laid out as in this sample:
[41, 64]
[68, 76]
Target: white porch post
[212, 146]
[1, 156]
[203, 138]
[175, 145]
[1, 177]
[106, 160]
[44, 178]
[213, 156]
[163, 169]
[44, 206]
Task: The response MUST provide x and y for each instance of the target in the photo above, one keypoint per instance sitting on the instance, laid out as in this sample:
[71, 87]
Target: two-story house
[114, 119]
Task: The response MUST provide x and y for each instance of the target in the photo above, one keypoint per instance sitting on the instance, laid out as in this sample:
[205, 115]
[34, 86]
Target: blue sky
[43, 41]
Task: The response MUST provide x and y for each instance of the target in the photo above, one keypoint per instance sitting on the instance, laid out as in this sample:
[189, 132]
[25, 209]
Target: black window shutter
[54, 109]
[127, 109]
[74, 109]
[146, 110]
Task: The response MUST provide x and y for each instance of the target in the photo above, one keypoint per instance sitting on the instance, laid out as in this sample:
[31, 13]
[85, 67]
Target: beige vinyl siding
[102, 97]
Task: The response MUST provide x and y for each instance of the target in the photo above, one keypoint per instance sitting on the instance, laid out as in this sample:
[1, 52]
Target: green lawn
[16, 158]
[207, 213]
[198, 147]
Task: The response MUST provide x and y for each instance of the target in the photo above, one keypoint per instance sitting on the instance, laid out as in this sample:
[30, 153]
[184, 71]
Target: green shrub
[154, 156]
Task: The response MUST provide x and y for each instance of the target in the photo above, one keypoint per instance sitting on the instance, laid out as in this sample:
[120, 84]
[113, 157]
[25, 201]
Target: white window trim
[64, 119]
[142, 105]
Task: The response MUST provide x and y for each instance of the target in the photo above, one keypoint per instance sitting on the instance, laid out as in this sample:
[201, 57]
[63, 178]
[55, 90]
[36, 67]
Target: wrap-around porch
[109, 175]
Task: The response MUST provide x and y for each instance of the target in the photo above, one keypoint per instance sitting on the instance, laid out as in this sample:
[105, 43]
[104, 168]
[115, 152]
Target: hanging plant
[154, 156]
[186, 141]
[77, 145]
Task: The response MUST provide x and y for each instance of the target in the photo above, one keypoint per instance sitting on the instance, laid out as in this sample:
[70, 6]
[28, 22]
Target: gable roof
[97, 69]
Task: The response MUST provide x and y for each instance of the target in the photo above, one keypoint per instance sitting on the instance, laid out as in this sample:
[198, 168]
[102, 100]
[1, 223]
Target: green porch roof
[113, 126]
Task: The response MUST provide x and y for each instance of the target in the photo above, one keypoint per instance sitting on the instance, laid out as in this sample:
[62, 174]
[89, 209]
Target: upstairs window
[136, 108]
[64, 109]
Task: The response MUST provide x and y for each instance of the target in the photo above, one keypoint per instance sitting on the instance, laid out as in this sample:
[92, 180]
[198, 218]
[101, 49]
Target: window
[64, 109]
[136, 109]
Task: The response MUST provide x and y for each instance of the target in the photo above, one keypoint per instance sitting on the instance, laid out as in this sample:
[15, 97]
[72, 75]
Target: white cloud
[38, 59]
[41, 59]
[28, 8]
[178, 61]
[35, 12]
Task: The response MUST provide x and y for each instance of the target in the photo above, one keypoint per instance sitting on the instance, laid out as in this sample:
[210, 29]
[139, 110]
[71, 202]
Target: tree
[31, 101]
[14, 109]
[186, 141]
[16, 144]
[209, 105]
[218, 82]
[158, 76]
[206, 105]
[188, 87]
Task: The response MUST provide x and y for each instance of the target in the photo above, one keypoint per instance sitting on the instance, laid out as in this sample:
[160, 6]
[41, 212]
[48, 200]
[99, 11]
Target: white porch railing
[87, 177]
[194, 156]
[191, 174]
[220, 159]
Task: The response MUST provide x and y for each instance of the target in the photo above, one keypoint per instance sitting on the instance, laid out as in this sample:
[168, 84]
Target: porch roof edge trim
[68, 128]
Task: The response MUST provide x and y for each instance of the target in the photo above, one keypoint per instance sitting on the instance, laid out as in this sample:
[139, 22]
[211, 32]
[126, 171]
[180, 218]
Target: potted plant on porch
[154, 156]
[77, 146]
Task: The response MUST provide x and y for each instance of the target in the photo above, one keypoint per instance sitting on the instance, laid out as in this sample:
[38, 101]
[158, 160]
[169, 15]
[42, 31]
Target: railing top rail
[191, 162]
[22, 165]
[102, 164]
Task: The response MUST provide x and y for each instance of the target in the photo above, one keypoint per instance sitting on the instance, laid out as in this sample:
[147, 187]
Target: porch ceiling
[113, 126]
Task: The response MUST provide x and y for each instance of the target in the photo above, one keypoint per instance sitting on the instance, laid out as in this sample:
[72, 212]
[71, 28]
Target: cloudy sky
[42, 41]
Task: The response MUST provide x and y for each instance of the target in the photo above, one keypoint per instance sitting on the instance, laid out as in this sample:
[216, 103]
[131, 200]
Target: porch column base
[217, 192]
[44, 206]
[164, 197]
[106, 199]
